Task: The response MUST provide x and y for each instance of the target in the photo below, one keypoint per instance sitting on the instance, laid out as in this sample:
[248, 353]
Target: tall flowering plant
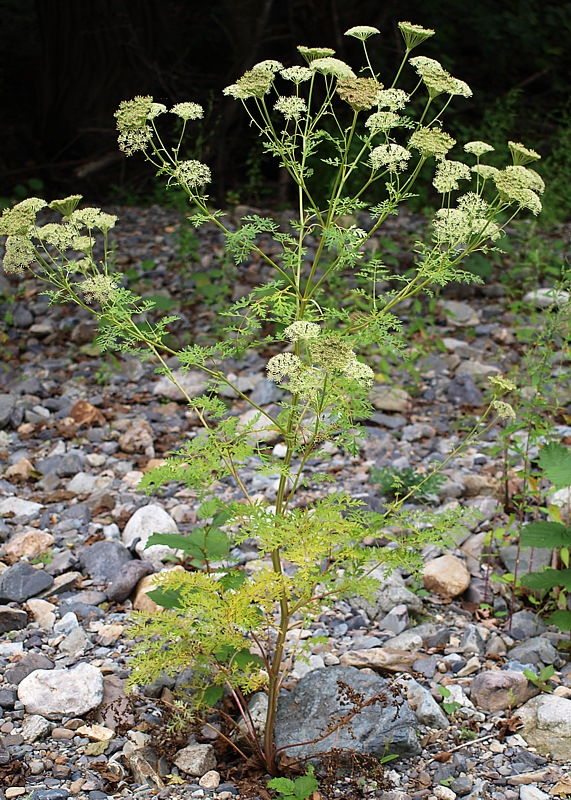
[375, 139]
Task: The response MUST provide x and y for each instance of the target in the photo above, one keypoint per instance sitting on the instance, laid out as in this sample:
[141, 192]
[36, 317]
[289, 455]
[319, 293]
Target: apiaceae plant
[230, 624]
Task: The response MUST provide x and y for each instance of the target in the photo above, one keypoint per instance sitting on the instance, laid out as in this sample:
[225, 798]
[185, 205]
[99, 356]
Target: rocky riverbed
[78, 429]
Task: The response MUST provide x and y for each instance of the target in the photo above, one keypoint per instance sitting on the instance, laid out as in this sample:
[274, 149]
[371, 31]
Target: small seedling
[540, 680]
[299, 789]
[451, 707]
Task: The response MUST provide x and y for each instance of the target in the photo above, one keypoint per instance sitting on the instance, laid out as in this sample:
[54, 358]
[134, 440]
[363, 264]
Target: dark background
[66, 64]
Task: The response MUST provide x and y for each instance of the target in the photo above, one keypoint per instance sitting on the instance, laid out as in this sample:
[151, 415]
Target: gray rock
[26, 665]
[196, 759]
[525, 624]
[7, 406]
[527, 560]
[62, 693]
[127, 578]
[21, 581]
[35, 727]
[12, 619]
[425, 707]
[536, 650]
[546, 297]
[471, 642]
[307, 711]
[192, 383]
[391, 592]
[397, 620]
[462, 391]
[103, 561]
[547, 725]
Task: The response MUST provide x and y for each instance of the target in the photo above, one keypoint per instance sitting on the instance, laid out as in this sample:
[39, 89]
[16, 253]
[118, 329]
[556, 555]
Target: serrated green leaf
[547, 579]
[201, 544]
[233, 580]
[562, 619]
[555, 461]
[545, 534]
[304, 786]
[207, 509]
[210, 695]
[283, 785]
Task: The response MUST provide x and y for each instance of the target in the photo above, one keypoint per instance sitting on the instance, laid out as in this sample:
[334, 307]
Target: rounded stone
[62, 693]
[446, 576]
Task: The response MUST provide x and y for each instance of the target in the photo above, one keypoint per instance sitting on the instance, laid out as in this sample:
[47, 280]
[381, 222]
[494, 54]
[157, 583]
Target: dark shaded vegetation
[67, 65]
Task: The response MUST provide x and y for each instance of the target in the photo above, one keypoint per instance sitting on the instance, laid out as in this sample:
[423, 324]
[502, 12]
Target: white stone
[192, 383]
[144, 522]
[547, 725]
[58, 693]
[446, 575]
[82, 483]
[28, 544]
[546, 297]
[210, 780]
[261, 428]
[19, 507]
[35, 728]
[532, 792]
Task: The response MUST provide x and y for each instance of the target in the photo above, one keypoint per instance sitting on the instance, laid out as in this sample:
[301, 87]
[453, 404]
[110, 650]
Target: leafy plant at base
[449, 706]
[394, 483]
[299, 789]
[231, 624]
[540, 679]
[555, 460]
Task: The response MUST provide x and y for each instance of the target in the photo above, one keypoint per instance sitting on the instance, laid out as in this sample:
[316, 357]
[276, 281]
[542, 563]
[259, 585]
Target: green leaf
[547, 579]
[232, 580]
[210, 695]
[246, 660]
[304, 786]
[555, 461]
[545, 534]
[562, 619]
[201, 544]
[166, 598]
[283, 785]
[174, 540]
[207, 509]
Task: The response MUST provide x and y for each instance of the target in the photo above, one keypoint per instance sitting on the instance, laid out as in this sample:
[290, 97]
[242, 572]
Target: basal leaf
[210, 695]
[175, 540]
[305, 785]
[555, 461]
[283, 785]
[545, 534]
[562, 619]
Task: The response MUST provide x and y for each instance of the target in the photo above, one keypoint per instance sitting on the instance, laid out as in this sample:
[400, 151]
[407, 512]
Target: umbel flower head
[18, 220]
[312, 53]
[393, 99]
[297, 74]
[133, 114]
[19, 253]
[291, 107]
[361, 32]
[67, 205]
[192, 173]
[437, 80]
[332, 66]
[448, 173]
[414, 35]
[516, 184]
[382, 121]
[302, 330]
[392, 156]
[522, 155]
[188, 111]
[359, 93]
[93, 218]
[254, 83]
[478, 148]
[431, 142]
[100, 288]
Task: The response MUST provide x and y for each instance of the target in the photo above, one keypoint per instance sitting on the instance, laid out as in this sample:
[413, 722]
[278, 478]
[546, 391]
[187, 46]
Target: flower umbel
[312, 53]
[478, 148]
[448, 173]
[432, 142]
[393, 99]
[100, 288]
[361, 32]
[291, 107]
[503, 410]
[414, 35]
[332, 66]
[302, 329]
[359, 93]
[66, 205]
[133, 114]
[297, 74]
[18, 220]
[392, 156]
[18, 254]
[521, 154]
[188, 111]
[192, 173]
